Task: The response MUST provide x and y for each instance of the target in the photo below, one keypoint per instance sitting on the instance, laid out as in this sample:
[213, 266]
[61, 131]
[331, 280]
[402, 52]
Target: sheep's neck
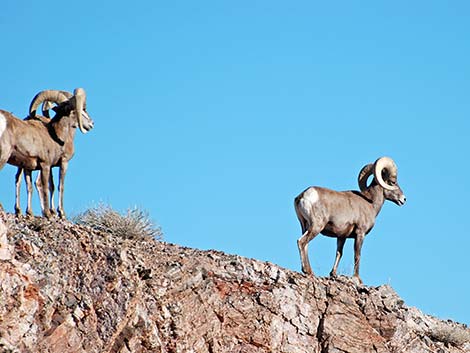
[376, 195]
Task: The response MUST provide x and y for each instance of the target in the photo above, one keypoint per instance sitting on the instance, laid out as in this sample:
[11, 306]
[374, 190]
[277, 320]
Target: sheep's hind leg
[302, 243]
[4, 155]
[17, 191]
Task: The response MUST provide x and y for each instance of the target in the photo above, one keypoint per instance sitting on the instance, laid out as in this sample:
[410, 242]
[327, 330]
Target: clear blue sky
[214, 115]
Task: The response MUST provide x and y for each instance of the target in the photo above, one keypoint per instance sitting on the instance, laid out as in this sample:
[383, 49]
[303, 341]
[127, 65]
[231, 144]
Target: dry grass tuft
[131, 225]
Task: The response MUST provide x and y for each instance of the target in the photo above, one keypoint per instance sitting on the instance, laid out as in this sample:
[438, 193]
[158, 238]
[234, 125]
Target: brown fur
[36, 144]
[342, 215]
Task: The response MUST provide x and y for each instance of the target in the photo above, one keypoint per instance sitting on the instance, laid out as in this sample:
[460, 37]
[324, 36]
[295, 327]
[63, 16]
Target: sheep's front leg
[29, 189]
[17, 193]
[357, 254]
[302, 243]
[45, 172]
[339, 253]
[38, 184]
[62, 172]
[51, 192]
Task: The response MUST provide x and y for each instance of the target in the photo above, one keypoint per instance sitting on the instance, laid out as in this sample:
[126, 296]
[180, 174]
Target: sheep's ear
[61, 131]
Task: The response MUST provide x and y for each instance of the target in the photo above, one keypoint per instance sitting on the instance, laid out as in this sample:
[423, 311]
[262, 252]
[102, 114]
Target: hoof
[308, 273]
[61, 214]
[357, 279]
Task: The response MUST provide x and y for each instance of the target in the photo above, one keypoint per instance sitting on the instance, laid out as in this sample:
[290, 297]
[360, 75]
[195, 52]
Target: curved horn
[67, 94]
[80, 99]
[46, 106]
[364, 174]
[48, 95]
[381, 164]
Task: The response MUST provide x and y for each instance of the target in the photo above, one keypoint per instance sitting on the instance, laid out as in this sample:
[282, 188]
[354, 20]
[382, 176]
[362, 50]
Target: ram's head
[385, 174]
[68, 105]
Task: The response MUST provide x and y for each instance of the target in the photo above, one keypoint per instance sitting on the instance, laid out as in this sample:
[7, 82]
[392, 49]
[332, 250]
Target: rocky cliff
[69, 288]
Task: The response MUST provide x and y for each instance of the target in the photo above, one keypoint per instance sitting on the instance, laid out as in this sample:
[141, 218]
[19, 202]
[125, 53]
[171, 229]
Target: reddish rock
[69, 288]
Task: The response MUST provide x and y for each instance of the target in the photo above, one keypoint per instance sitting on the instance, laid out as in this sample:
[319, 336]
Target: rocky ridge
[69, 288]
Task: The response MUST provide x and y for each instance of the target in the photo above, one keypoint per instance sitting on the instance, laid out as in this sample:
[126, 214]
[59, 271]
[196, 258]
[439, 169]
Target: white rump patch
[3, 124]
[311, 196]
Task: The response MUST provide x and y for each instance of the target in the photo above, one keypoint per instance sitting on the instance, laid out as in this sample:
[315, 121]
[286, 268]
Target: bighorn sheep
[47, 105]
[346, 214]
[34, 144]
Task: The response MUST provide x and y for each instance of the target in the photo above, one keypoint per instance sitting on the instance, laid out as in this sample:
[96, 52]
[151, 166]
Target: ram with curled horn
[346, 214]
[59, 97]
[40, 144]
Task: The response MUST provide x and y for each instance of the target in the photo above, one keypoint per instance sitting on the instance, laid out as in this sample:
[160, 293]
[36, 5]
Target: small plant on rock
[135, 223]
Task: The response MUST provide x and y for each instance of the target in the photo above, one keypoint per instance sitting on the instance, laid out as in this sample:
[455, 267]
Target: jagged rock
[69, 288]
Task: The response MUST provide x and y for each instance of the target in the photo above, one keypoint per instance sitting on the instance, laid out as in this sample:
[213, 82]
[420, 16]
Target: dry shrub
[133, 224]
[454, 335]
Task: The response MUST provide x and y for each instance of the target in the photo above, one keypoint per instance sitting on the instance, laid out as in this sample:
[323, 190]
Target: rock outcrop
[69, 288]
